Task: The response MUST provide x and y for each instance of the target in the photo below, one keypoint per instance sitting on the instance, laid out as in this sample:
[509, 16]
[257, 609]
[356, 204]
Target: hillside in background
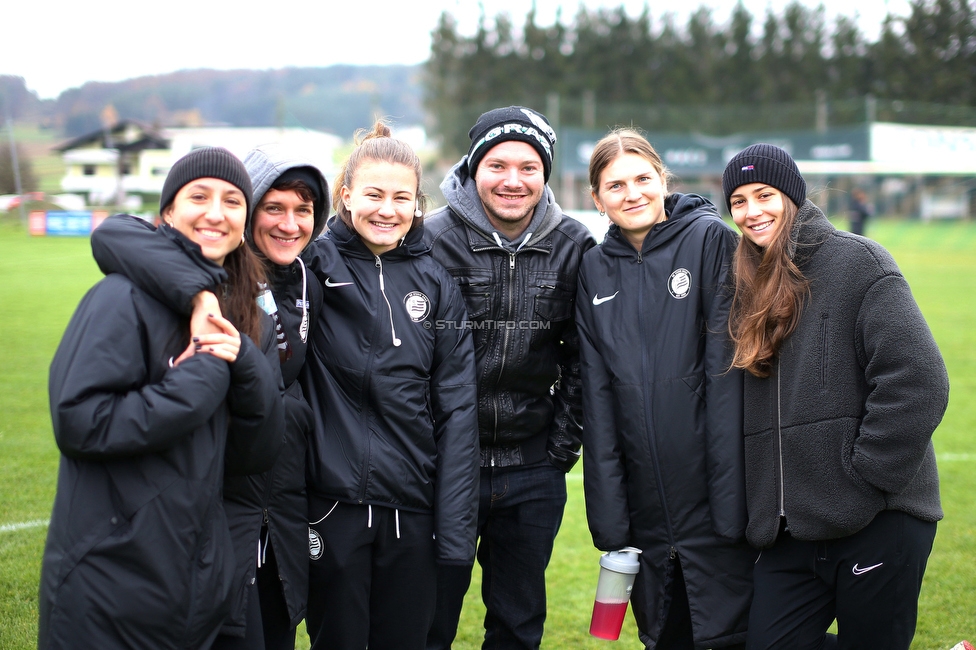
[338, 99]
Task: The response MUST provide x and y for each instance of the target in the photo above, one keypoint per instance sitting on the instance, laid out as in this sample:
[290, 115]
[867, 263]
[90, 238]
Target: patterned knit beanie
[511, 123]
[764, 163]
[206, 162]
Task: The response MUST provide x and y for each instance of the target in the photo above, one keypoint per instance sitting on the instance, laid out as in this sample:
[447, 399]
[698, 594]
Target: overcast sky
[55, 44]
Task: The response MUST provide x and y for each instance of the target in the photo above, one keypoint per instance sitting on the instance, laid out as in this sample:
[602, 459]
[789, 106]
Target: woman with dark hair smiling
[844, 387]
[149, 421]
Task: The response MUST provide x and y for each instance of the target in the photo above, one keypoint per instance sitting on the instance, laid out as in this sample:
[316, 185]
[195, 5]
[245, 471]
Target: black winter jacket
[662, 436]
[139, 553]
[521, 302]
[390, 378]
[843, 427]
[276, 498]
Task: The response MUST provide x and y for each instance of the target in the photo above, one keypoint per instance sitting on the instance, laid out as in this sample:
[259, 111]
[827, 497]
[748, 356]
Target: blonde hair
[377, 145]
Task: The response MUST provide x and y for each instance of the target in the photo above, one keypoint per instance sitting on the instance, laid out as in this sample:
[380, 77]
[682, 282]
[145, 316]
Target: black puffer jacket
[521, 301]
[662, 444]
[391, 382]
[276, 498]
[843, 428]
[139, 553]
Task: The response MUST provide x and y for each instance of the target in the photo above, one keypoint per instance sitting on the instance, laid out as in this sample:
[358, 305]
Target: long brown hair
[769, 294]
[376, 145]
[238, 296]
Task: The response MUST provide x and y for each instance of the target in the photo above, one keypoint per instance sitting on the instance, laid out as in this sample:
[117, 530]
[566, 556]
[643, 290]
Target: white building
[126, 165]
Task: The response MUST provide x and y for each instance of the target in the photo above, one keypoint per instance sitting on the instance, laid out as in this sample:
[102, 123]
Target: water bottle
[618, 569]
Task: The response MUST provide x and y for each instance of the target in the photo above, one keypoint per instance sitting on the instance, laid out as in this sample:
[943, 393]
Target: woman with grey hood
[268, 509]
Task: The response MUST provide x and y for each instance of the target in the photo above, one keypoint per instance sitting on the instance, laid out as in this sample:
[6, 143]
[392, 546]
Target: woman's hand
[210, 332]
[224, 345]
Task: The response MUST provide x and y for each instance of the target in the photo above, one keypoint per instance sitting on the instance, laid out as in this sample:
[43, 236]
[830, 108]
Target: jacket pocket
[476, 288]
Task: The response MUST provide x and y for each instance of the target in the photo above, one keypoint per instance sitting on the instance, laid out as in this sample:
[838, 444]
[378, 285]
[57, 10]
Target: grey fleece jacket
[842, 429]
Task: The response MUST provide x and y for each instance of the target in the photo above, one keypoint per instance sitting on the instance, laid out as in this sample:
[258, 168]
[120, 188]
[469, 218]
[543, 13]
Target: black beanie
[764, 163]
[511, 123]
[206, 162]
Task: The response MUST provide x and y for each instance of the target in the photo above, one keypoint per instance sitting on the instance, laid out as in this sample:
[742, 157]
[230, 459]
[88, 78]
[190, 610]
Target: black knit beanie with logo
[764, 163]
[511, 123]
[206, 162]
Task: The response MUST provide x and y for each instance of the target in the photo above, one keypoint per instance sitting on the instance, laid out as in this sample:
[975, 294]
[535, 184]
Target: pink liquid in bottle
[607, 620]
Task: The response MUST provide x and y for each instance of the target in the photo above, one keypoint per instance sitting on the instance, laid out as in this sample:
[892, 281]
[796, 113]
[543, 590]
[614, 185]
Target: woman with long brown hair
[844, 387]
[150, 412]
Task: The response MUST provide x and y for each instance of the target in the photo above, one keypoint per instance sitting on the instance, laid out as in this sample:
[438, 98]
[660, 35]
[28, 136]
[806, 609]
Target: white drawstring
[379, 265]
[303, 328]
[397, 516]
[263, 552]
[525, 241]
[326, 515]
[369, 521]
[498, 240]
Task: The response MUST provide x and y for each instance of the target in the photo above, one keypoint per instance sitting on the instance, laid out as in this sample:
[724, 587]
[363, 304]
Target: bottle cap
[622, 561]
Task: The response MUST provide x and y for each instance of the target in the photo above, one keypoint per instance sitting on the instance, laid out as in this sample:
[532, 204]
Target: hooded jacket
[391, 381]
[842, 428]
[662, 436]
[139, 551]
[275, 499]
[520, 297]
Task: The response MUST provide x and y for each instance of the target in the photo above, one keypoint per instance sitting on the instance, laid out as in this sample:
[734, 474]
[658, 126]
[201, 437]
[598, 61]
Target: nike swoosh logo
[599, 301]
[858, 571]
[330, 283]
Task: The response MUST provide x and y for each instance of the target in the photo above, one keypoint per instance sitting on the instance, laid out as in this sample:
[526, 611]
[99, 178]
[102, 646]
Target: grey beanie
[764, 163]
[206, 162]
[511, 123]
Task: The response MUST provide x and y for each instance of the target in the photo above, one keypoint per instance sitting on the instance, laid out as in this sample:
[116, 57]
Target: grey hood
[269, 161]
[461, 194]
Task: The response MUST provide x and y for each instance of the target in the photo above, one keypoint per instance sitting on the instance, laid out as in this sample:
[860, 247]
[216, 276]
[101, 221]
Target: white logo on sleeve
[858, 571]
[597, 300]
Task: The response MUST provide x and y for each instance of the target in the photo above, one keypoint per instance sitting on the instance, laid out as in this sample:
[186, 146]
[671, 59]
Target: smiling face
[381, 203]
[631, 191]
[210, 212]
[757, 210]
[510, 180]
[283, 224]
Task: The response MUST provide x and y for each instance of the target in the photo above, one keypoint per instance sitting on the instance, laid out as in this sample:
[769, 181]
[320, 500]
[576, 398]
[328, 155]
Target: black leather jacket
[521, 305]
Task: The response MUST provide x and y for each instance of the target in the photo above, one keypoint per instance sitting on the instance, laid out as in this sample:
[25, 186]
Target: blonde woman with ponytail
[393, 456]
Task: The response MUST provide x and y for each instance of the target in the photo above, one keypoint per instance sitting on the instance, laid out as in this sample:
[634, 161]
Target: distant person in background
[860, 211]
[289, 213]
[662, 412]
[149, 415]
[843, 390]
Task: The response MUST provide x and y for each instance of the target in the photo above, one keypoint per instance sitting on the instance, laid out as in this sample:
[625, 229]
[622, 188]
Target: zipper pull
[511, 262]
[673, 553]
[265, 515]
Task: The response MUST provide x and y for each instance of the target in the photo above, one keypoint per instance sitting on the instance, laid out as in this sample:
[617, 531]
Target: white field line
[575, 476]
[8, 528]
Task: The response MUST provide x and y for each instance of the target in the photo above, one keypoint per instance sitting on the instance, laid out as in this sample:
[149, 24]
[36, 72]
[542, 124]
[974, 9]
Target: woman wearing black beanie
[843, 390]
[291, 198]
[140, 551]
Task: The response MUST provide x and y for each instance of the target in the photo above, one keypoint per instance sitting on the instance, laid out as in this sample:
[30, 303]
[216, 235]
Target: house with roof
[124, 165]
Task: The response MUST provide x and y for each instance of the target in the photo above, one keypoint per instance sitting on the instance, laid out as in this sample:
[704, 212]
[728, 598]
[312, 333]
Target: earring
[418, 212]
[602, 213]
[242, 241]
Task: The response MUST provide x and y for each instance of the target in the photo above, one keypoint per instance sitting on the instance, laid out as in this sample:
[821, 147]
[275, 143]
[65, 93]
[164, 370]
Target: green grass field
[42, 280]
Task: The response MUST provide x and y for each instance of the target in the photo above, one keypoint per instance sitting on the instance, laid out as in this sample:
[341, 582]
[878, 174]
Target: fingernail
[196, 339]
[197, 347]
[210, 315]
